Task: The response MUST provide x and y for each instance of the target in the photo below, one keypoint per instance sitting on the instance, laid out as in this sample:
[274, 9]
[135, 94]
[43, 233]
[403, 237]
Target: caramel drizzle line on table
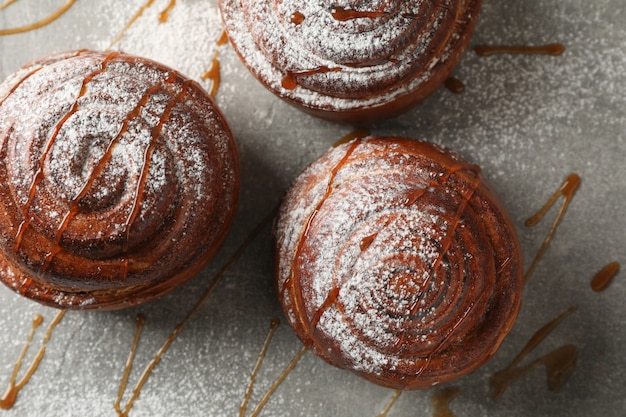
[442, 399]
[559, 363]
[7, 400]
[567, 191]
[396, 395]
[54, 16]
[6, 4]
[141, 319]
[553, 49]
[605, 276]
[143, 378]
[214, 72]
[281, 378]
[163, 16]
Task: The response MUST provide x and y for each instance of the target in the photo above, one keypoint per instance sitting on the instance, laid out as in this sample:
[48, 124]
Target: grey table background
[528, 120]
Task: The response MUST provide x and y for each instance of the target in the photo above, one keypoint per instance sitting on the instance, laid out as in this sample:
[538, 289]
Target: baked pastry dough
[396, 261]
[119, 179]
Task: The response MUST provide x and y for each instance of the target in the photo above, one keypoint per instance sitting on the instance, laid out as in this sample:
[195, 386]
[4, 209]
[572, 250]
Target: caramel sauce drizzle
[246, 399]
[290, 80]
[605, 276]
[442, 399]
[343, 14]
[6, 4]
[143, 179]
[553, 49]
[39, 173]
[164, 15]
[297, 18]
[213, 74]
[396, 395]
[559, 363]
[41, 23]
[131, 22]
[281, 378]
[567, 191]
[454, 85]
[143, 378]
[7, 400]
[129, 365]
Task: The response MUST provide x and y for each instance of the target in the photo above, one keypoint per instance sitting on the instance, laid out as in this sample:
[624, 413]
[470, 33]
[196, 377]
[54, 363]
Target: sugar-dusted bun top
[396, 261]
[119, 179]
[351, 60]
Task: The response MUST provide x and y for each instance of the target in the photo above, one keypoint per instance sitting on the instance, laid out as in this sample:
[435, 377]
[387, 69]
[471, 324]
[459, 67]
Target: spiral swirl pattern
[119, 179]
[396, 261]
[351, 60]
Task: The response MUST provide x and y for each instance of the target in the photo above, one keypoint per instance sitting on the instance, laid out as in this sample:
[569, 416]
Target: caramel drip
[145, 168]
[281, 378]
[223, 39]
[131, 22]
[553, 49]
[454, 85]
[129, 365]
[442, 399]
[143, 378]
[605, 276]
[297, 18]
[559, 363]
[41, 23]
[396, 395]
[7, 400]
[293, 280]
[165, 14]
[343, 14]
[6, 4]
[213, 74]
[39, 173]
[367, 241]
[452, 225]
[567, 191]
[246, 399]
[290, 80]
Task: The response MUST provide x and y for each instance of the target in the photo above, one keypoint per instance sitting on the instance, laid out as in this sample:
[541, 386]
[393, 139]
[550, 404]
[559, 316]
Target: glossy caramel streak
[566, 191]
[131, 22]
[257, 367]
[343, 14]
[605, 276]
[8, 399]
[296, 288]
[39, 173]
[41, 23]
[164, 15]
[553, 49]
[442, 399]
[559, 363]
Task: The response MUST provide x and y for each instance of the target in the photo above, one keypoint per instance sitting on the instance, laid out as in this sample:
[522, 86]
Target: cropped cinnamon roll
[396, 261]
[351, 61]
[119, 180]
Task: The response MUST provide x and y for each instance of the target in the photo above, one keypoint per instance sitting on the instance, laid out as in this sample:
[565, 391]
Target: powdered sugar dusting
[376, 223]
[379, 59]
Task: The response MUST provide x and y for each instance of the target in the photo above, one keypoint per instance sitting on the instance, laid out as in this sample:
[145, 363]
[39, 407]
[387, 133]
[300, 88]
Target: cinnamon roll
[396, 261]
[350, 61]
[119, 180]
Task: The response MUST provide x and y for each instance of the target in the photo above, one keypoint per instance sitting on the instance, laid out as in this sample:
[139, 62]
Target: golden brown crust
[119, 180]
[396, 261]
[346, 61]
